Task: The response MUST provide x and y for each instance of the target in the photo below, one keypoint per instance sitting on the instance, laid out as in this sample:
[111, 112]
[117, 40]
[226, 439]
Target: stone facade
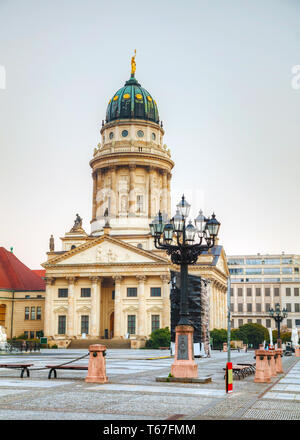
[113, 282]
[259, 282]
[22, 313]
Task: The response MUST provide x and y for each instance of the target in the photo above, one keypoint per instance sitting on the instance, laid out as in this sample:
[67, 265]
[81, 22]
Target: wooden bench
[22, 367]
[53, 369]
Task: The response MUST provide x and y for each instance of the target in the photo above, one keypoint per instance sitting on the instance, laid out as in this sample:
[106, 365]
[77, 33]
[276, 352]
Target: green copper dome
[132, 102]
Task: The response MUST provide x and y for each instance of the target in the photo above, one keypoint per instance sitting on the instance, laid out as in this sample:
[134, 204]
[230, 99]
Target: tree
[218, 336]
[253, 334]
[236, 335]
[159, 338]
[285, 335]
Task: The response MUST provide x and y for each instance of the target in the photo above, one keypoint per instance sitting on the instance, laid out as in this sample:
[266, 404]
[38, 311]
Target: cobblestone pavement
[132, 392]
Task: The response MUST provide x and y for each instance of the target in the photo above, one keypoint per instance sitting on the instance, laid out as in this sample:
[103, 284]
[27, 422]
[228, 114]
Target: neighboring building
[112, 281]
[22, 295]
[258, 282]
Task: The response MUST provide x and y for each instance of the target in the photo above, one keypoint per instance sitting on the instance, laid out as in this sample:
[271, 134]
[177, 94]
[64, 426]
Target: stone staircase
[109, 343]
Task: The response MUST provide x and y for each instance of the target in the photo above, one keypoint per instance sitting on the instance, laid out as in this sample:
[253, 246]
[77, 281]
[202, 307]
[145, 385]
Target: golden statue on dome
[133, 65]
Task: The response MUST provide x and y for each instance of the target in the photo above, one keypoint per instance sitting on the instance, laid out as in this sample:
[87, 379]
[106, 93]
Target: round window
[140, 133]
[153, 136]
[111, 135]
[124, 133]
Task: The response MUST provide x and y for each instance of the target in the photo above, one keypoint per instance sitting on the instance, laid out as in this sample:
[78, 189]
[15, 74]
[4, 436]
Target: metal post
[278, 329]
[184, 311]
[228, 321]
[228, 375]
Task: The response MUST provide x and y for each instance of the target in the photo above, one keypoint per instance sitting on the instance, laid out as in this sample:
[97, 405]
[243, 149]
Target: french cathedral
[111, 282]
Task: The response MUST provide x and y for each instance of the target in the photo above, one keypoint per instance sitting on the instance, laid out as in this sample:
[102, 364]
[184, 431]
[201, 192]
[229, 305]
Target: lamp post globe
[184, 242]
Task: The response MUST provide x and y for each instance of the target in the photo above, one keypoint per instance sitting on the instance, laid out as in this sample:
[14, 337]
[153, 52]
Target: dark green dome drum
[132, 102]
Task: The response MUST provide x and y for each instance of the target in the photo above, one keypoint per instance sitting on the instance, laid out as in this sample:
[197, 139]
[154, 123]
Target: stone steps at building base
[109, 343]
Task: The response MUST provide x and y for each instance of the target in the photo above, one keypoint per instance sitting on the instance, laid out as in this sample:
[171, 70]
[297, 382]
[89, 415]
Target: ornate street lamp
[279, 316]
[184, 242]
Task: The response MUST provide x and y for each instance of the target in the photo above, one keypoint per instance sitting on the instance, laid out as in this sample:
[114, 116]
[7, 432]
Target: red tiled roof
[15, 275]
[40, 272]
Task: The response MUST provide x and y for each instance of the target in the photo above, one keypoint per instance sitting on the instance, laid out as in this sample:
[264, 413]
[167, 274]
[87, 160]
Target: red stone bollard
[262, 371]
[271, 359]
[97, 364]
[297, 351]
[278, 362]
[184, 364]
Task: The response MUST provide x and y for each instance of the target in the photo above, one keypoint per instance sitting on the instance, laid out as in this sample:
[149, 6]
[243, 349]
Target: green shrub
[218, 336]
[159, 338]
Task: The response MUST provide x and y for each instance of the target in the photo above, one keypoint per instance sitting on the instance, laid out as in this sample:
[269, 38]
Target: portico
[106, 299]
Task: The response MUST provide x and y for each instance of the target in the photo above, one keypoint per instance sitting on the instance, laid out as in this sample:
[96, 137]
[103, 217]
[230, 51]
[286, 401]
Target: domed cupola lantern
[132, 101]
[131, 165]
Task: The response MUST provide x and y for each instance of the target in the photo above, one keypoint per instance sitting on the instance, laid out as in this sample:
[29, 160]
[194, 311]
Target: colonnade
[156, 197]
[141, 306]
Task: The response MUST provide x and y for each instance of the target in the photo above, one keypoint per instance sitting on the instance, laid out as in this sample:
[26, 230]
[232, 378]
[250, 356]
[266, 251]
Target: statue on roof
[78, 221]
[77, 224]
[51, 243]
[133, 65]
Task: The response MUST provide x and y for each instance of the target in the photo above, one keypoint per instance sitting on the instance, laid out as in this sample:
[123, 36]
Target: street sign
[44, 340]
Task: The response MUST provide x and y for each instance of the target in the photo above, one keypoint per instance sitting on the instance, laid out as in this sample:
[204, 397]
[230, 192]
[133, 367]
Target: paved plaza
[133, 393]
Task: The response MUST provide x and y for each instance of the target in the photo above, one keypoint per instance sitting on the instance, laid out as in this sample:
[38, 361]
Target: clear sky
[221, 74]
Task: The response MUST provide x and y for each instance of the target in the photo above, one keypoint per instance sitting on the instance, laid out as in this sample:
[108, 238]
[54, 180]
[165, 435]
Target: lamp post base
[184, 364]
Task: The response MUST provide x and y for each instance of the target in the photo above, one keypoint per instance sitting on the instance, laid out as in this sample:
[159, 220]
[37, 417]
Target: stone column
[235, 297]
[142, 305]
[99, 193]
[218, 306]
[113, 192]
[166, 315]
[151, 192]
[164, 204]
[215, 305]
[211, 306]
[262, 292]
[131, 197]
[272, 298]
[94, 175]
[71, 306]
[254, 312]
[225, 307]
[118, 307]
[169, 194]
[48, 316]
[244, 299]
[95, 306]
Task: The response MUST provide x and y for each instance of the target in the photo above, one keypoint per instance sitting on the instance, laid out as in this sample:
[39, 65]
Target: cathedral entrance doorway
[111, 326]
[107, 308]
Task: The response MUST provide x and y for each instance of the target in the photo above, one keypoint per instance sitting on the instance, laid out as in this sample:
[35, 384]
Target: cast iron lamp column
[184, 243]
[278, 315]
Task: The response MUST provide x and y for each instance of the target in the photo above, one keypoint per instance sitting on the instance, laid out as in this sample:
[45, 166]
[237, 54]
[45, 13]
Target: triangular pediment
[222, 263]
[61, 309]
[106, 250]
